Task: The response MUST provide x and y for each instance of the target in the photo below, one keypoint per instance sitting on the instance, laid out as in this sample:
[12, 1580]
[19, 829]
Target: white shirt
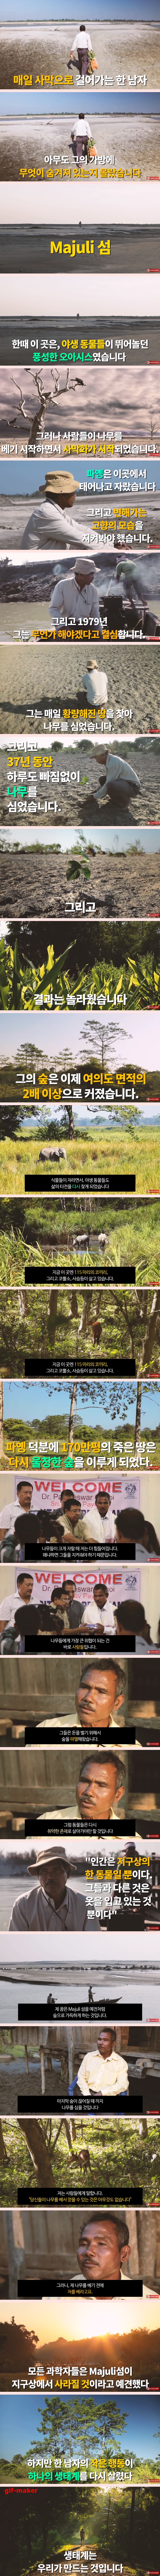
[95, 684]
[82, 40]
[9, 1515]
[95, 1527]
[7, 1608]
[118, 772]
[49, 523]
[41, 1591]
[94, 1618]
[82, 127]
[13, 1511]
[103, 2074]
[74, 602]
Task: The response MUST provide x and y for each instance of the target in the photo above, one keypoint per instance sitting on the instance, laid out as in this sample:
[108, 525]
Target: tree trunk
[143, 2128]
[126, 1313]
[132, 2510]
[37, 2150]
[38, 422]
[52, 1316]
[42, 2069]
[3, 2153]
[72, 1411]
[149, 1334]
[146, 1355]
[85, 1316]
[69, 2126]
[138, 1415]
[11, 2257]
[69, 1113]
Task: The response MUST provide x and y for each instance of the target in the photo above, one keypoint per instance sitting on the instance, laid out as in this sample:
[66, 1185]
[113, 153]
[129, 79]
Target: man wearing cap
[51, 1904]
[51, 523]
[76, 594]
[119, 779]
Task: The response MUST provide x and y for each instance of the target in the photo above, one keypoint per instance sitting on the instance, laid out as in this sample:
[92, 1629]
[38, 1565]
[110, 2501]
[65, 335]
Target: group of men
[65, 1611]
[73, 1518]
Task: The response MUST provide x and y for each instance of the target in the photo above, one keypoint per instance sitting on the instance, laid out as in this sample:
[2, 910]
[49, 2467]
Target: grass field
[46, 1231]
[88, 1324]
[90, 1153]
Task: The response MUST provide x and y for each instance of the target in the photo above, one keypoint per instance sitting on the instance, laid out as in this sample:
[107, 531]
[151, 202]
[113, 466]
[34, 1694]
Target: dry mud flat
[122, 52]
[33, 684]
[64, 780]
[42, 147]
[124, 878]
[131, 880]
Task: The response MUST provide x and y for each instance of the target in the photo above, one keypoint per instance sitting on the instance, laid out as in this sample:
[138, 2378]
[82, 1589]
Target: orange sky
[84, 2318]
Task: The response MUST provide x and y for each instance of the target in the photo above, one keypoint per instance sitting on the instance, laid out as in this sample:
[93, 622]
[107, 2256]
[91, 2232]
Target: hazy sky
[134, 1038]
[50, 2319]
[112, 841]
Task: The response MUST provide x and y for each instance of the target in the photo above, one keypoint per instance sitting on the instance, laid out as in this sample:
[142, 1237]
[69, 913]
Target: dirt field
[121, 52]
[43, 148]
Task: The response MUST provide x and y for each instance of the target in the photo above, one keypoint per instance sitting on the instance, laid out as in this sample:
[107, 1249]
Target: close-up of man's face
[100, 1595]
[105, 2043]
[52, 1876]
[24, 1496]
[25, 1587]
[98, 1788]
[98, 1695]
[84, 572]
[62, 1596]
[99, 2255]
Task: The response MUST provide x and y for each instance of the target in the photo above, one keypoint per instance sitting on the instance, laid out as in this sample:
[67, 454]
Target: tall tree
[38, 2150]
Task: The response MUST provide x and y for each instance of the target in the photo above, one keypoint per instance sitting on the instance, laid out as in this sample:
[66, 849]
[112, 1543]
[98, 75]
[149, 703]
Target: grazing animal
[96, 1330]
[53, 1151]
